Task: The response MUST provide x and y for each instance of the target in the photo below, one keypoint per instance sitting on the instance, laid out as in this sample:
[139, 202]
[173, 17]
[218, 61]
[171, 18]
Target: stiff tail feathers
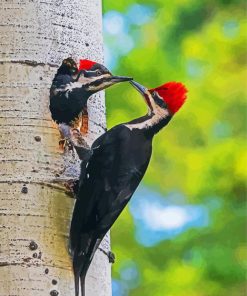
[82, 258]
[79, 279]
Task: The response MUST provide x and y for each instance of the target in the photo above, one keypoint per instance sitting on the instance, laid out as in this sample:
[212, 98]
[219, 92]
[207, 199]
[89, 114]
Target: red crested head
[86, 64]
[173, 93]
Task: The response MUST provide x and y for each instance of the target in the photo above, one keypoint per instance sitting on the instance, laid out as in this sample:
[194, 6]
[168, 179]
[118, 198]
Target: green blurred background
[184, 232]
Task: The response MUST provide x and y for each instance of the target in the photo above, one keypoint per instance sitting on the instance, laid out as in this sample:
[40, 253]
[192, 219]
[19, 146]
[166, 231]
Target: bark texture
[35, 211]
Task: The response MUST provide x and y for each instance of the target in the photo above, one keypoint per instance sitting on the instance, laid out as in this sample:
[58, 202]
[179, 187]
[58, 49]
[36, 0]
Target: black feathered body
[119, 160]
[67, 98]
[118, 163]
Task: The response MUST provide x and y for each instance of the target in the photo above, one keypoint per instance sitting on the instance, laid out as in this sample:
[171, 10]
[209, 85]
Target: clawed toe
[109, 254]
[84, 122]
[72, 186]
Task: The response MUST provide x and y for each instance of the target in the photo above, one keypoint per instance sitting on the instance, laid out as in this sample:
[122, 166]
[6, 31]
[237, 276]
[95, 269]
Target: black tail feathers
[83, 286]
[79, 260]
[79, 250]
[80, 283]
[77, 279]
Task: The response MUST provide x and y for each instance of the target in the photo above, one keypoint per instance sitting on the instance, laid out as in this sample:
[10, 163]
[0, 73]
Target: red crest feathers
[173, 93]
[86, 64]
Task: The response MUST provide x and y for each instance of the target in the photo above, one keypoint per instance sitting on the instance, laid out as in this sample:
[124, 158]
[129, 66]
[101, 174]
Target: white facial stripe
[151, 121]
[100, 86]
[151, 100]
[94, 88]
[83, 81]
[158, 114]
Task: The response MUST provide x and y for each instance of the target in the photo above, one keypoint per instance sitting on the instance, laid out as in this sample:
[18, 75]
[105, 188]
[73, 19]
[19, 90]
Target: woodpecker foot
[72, 138]
[82, 148]
[84, 122]
[109, 254]
[77, 139]
[111, 257]
[72, 186]
[64, 143]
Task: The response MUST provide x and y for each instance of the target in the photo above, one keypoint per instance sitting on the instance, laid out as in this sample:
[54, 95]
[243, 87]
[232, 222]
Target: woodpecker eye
[98, 72]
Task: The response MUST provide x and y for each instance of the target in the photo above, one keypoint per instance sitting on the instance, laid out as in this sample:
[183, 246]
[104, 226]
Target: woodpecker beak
[104, 81]
[117, 79]
[144, 92]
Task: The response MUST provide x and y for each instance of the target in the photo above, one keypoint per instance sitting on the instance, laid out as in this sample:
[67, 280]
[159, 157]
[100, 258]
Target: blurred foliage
[202, 152]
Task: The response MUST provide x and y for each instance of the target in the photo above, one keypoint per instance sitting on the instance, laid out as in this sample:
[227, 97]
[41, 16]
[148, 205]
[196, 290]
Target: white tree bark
[35, 211]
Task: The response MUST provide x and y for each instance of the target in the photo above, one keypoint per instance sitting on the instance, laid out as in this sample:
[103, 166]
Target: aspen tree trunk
[35, 210]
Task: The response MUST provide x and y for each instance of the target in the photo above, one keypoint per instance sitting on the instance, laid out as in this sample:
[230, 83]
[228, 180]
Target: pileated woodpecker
[72, 86]
[118, 162]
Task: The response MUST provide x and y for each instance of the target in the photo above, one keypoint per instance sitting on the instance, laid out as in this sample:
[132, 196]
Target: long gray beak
[104, 82]
[142, 89]
[117, 79]
[114, 79]
[144, 92]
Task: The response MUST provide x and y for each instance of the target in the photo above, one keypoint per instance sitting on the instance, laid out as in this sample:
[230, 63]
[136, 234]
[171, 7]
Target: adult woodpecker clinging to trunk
[71, 88]
[118, 162]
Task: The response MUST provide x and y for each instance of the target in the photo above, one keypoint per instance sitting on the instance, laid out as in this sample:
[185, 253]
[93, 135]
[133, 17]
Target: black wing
[93, 183]
[111, 177]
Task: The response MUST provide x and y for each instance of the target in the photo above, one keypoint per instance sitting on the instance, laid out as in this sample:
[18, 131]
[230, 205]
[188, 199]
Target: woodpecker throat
[151, 123]
[158, 115]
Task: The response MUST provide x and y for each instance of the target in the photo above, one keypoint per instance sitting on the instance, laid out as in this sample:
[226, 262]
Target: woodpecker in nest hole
[71, 88]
